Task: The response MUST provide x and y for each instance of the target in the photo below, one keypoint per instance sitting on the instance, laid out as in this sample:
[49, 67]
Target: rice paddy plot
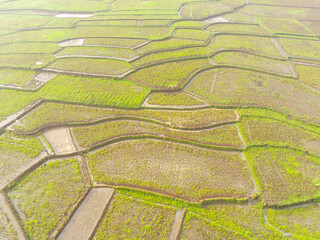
[27, 60]
[127, 218]
[313, 25]
[90, 136]
[251, 61]
[121, 22]
[133, 15]
[283, 26]
[61, 23]
[192, 34]
[48, 48]
[173, 99]
[301, 221]
[15, 77]
[7, 230]
[245, 29]
[261, 131]
[282, 12]
[114, 42]
[309, 75]
[160, 57]
[168, 76]
[169, 44]
[53, 114]
[284, 176]
[189, 24]
[81, 65]
[201, 10]
[155, 22]
[308, 49]
[239, 18]
[242, 88]
[46, 197]
[250, 44]
[15, 155]
[95, 51]
[295, 3]
[177, 170]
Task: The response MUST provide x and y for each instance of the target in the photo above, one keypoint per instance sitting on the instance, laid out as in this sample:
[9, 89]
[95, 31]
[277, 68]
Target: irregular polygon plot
[60, 139]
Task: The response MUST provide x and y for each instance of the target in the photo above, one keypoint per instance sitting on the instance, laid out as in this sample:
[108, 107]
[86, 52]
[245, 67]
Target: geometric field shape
[61, 140]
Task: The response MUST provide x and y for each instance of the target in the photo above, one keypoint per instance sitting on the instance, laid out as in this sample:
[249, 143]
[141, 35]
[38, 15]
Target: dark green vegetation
[202, 117]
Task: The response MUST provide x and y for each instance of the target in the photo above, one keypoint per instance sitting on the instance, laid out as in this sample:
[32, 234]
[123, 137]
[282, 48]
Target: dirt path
[84, 221]
[61, 140]
[177, 224]
[14, 221]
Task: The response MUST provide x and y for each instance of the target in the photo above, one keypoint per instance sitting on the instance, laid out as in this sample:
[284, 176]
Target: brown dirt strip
[177, 224]
[84, 221]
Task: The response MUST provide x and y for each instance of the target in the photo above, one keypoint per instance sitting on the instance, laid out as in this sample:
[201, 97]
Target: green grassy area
[192, 34]
[283, 26]
[15, 154]
[181, 171]
[110, 23]
[114, 42]
[49, 114]
[239, 29]
[90, 136]
[260, 131]
[171, 75]
[15, 77]
[309, 75]
[200, 10]
[109, 67]
[301, 221]
[189, 24]
[239, 18]
[25, 60]
[47, 196]
[253, 62]
[257, 45]
[295, 3]
[7, 230]
[285, 176]
[29, 48]
[173, 99]
[300, 48]
[122, 53]
[61, 23]
[242, 88]
[174, 54]
[127, 218]
[155, 23]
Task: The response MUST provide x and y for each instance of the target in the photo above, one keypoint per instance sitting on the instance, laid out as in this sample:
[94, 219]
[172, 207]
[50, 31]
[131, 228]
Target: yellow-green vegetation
[29, 48]
[15, 77]
[200, 10]
[252, 44]
[302, 221]
[7, 231]
[283, 175]
[244, 29]
[177, 170]
[114, 42]
[91, 65]
[189, 24]
[49, 114]
[235, 87]
[301, 48]
[173, 99]
[122, 22]
[47, 196]
[279, 26]
[309, 75]
[295, 3]
[117, 53]
[260, 131]
[223, 220]
[62, 23]
[28, 60]
[136, 15]
[127, 218]
[239, 18]
[192, 34]
[156, 22]
[314, 26]
[193, 52]
[170, 44]
[16, 153]
[170, 76]
[253, 62]
[90, 136]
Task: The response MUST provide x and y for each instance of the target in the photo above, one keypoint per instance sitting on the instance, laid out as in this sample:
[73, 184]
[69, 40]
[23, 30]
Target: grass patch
[25, 60]
[47, 196]
[239, 29]
[127, 218]
[109, 23]
[188, 24]
[114, 42]
[90, 65]
[171, 75]
[309, 75]
[29, 48]
[200, 10]
[192, 34]
[173, 99]
[209, 174]
[15, 77]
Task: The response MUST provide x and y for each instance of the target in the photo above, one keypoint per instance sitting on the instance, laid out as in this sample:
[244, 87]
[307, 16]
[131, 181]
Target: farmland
[149, 119]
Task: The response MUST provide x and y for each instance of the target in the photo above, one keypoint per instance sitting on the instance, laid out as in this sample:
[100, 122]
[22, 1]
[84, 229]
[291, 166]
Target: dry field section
[172, 119]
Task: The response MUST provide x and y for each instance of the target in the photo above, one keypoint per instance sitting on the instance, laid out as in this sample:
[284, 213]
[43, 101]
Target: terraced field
[180, 119]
